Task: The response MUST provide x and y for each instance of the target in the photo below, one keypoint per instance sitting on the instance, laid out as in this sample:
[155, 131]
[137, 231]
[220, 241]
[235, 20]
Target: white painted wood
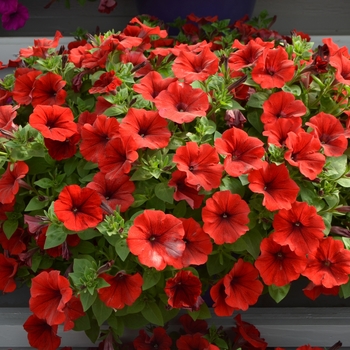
[284, 327]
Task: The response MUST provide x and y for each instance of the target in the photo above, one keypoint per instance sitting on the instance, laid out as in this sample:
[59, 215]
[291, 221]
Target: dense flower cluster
[14, 15]
[144, 174]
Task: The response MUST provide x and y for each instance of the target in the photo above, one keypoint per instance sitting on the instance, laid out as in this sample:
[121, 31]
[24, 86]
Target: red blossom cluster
[143, 175]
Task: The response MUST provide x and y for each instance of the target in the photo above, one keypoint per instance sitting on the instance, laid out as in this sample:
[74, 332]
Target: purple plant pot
[170, 10]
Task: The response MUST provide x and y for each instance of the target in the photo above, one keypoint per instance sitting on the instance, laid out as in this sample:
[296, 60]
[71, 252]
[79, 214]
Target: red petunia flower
[117, 192]
[191, 66]
[7, 115]
[8, 270]
[6, 208]
[96, 137]
[273, 68]
[50, 292]
[278, 264]
[242, 286]
[330, 132]
[218, 294]
[183, 290]
[41, 46]
[139, 61]
[194, 342]
[152, 84]
[119, 156]
[247, 55]
[299, 227]
[183, 191]
[22, 90]
[329, 265]
[60, 150]
[242, 152]
[313, 291]
[156, 239]
[201, 165]
[73, 310]
[191, 326]
[148, 128]
[54, 122]
[41, 335]
[106, 83]
[273, 181]
[124, 289]
[282, 104]
[182, 103]
[159, 340]
[86, 118]
[10, 181]
[78, 208]
[247, 335]
[342, 65]
[48, 90]
[198, 245]
[14, 245]
[225, 217]
[277, 132]
[303, 152]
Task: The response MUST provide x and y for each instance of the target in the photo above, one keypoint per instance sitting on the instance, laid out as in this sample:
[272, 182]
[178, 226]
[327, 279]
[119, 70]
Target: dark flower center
[327, 263]
[224, 215]
[181, 107]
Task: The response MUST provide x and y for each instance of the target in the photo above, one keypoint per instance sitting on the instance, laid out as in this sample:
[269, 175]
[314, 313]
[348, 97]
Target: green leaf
[252, 240]
[233, 185]
[345, 290]
[164, 192]
[180, 209]
[55, 236]
[278, 293]
[152, 313]
[336, 166]
[202, 314]
[344, 181]
[94, 331]
[134, 321]
[214, 264]
[87, 299]
[141, 175]
[256, 100]
[122, 249]
[9, 227]
[101, 311]
[150, 278]
[117, 324]
[44, 183]
[82, 323]
[35, 204]
[255, 121]
[88, 234]
[136, 307]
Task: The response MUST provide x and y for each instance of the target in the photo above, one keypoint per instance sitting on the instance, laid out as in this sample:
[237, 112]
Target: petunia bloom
[278, 264]
[198, 244]
[303, 152]
[48, 90]
[159, 340]
[78, 208]
[299, 227]
[192, 66]
[329, 265]
[148, 128]
[10, 181]
[225, 217]
[183, 290]
[8, 270]
[124, 289]
[194, 342]
[106, 83]
[330, 132]
[273, 68]
[200, 163]
[16, 19]
[50, 292]
[184, 191]
[273, 181]
[156, 239]
[181, 103]
[218, 295]
[242, 286]
[41, 335]
[54, 122]
[242, 152]
[282, 104]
